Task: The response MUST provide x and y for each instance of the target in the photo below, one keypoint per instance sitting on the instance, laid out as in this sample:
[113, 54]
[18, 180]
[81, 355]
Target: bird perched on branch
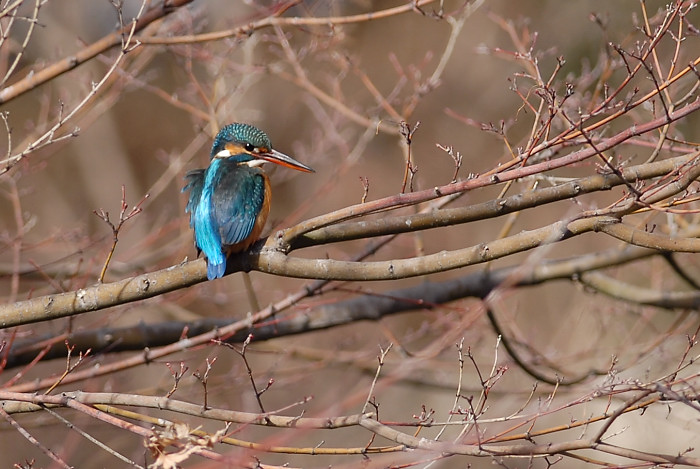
[229, 201]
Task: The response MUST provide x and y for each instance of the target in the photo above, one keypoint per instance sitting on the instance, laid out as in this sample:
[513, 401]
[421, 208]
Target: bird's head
[250, 146]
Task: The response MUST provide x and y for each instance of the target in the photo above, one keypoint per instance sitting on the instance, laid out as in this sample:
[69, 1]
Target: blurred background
[154, 119]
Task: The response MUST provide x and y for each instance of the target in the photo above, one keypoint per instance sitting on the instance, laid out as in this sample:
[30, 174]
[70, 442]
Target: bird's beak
[274, 156]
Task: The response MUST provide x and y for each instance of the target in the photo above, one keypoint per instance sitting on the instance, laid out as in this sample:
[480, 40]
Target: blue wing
[237, 200]
[224, 202]
[195, 182]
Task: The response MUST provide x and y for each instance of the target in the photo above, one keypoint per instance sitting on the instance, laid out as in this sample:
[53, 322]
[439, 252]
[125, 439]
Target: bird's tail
[215, 270]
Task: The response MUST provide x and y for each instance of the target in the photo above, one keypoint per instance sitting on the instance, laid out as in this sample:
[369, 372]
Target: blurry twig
[123, 217]
[69, 367]
[22, 431]
[49, 137]
[380, 359]
[62, 66]
[276, 20]
[32, 21]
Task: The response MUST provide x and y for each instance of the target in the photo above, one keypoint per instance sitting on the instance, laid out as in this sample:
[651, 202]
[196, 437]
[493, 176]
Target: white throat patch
[252, 163]
[223, 154]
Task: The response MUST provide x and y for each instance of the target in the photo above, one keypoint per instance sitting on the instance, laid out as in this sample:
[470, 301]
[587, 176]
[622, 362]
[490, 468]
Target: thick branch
[15, 402]
[492, 208]
[413, 198]
[426, 295]
[275, 262]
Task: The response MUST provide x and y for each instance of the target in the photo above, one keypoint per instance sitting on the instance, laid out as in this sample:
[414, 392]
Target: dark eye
[249, 147]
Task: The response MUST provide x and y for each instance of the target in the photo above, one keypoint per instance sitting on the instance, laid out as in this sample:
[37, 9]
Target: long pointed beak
[274, 156]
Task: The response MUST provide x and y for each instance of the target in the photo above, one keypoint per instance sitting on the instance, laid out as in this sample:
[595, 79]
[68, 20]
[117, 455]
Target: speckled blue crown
[239, 133]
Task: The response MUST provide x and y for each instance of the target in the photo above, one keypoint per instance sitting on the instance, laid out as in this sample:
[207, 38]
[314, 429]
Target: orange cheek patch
[235, 148]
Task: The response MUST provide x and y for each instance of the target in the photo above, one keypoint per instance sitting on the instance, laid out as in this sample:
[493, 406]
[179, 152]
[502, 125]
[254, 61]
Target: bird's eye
[249, 147]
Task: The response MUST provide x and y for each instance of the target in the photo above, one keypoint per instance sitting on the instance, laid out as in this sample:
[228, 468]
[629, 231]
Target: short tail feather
[215, 270]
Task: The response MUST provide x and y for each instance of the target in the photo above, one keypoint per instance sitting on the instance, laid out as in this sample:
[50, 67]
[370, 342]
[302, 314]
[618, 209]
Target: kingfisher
[229, 201]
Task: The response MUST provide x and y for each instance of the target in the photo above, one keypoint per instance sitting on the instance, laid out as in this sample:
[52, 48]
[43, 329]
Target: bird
[229, 201]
